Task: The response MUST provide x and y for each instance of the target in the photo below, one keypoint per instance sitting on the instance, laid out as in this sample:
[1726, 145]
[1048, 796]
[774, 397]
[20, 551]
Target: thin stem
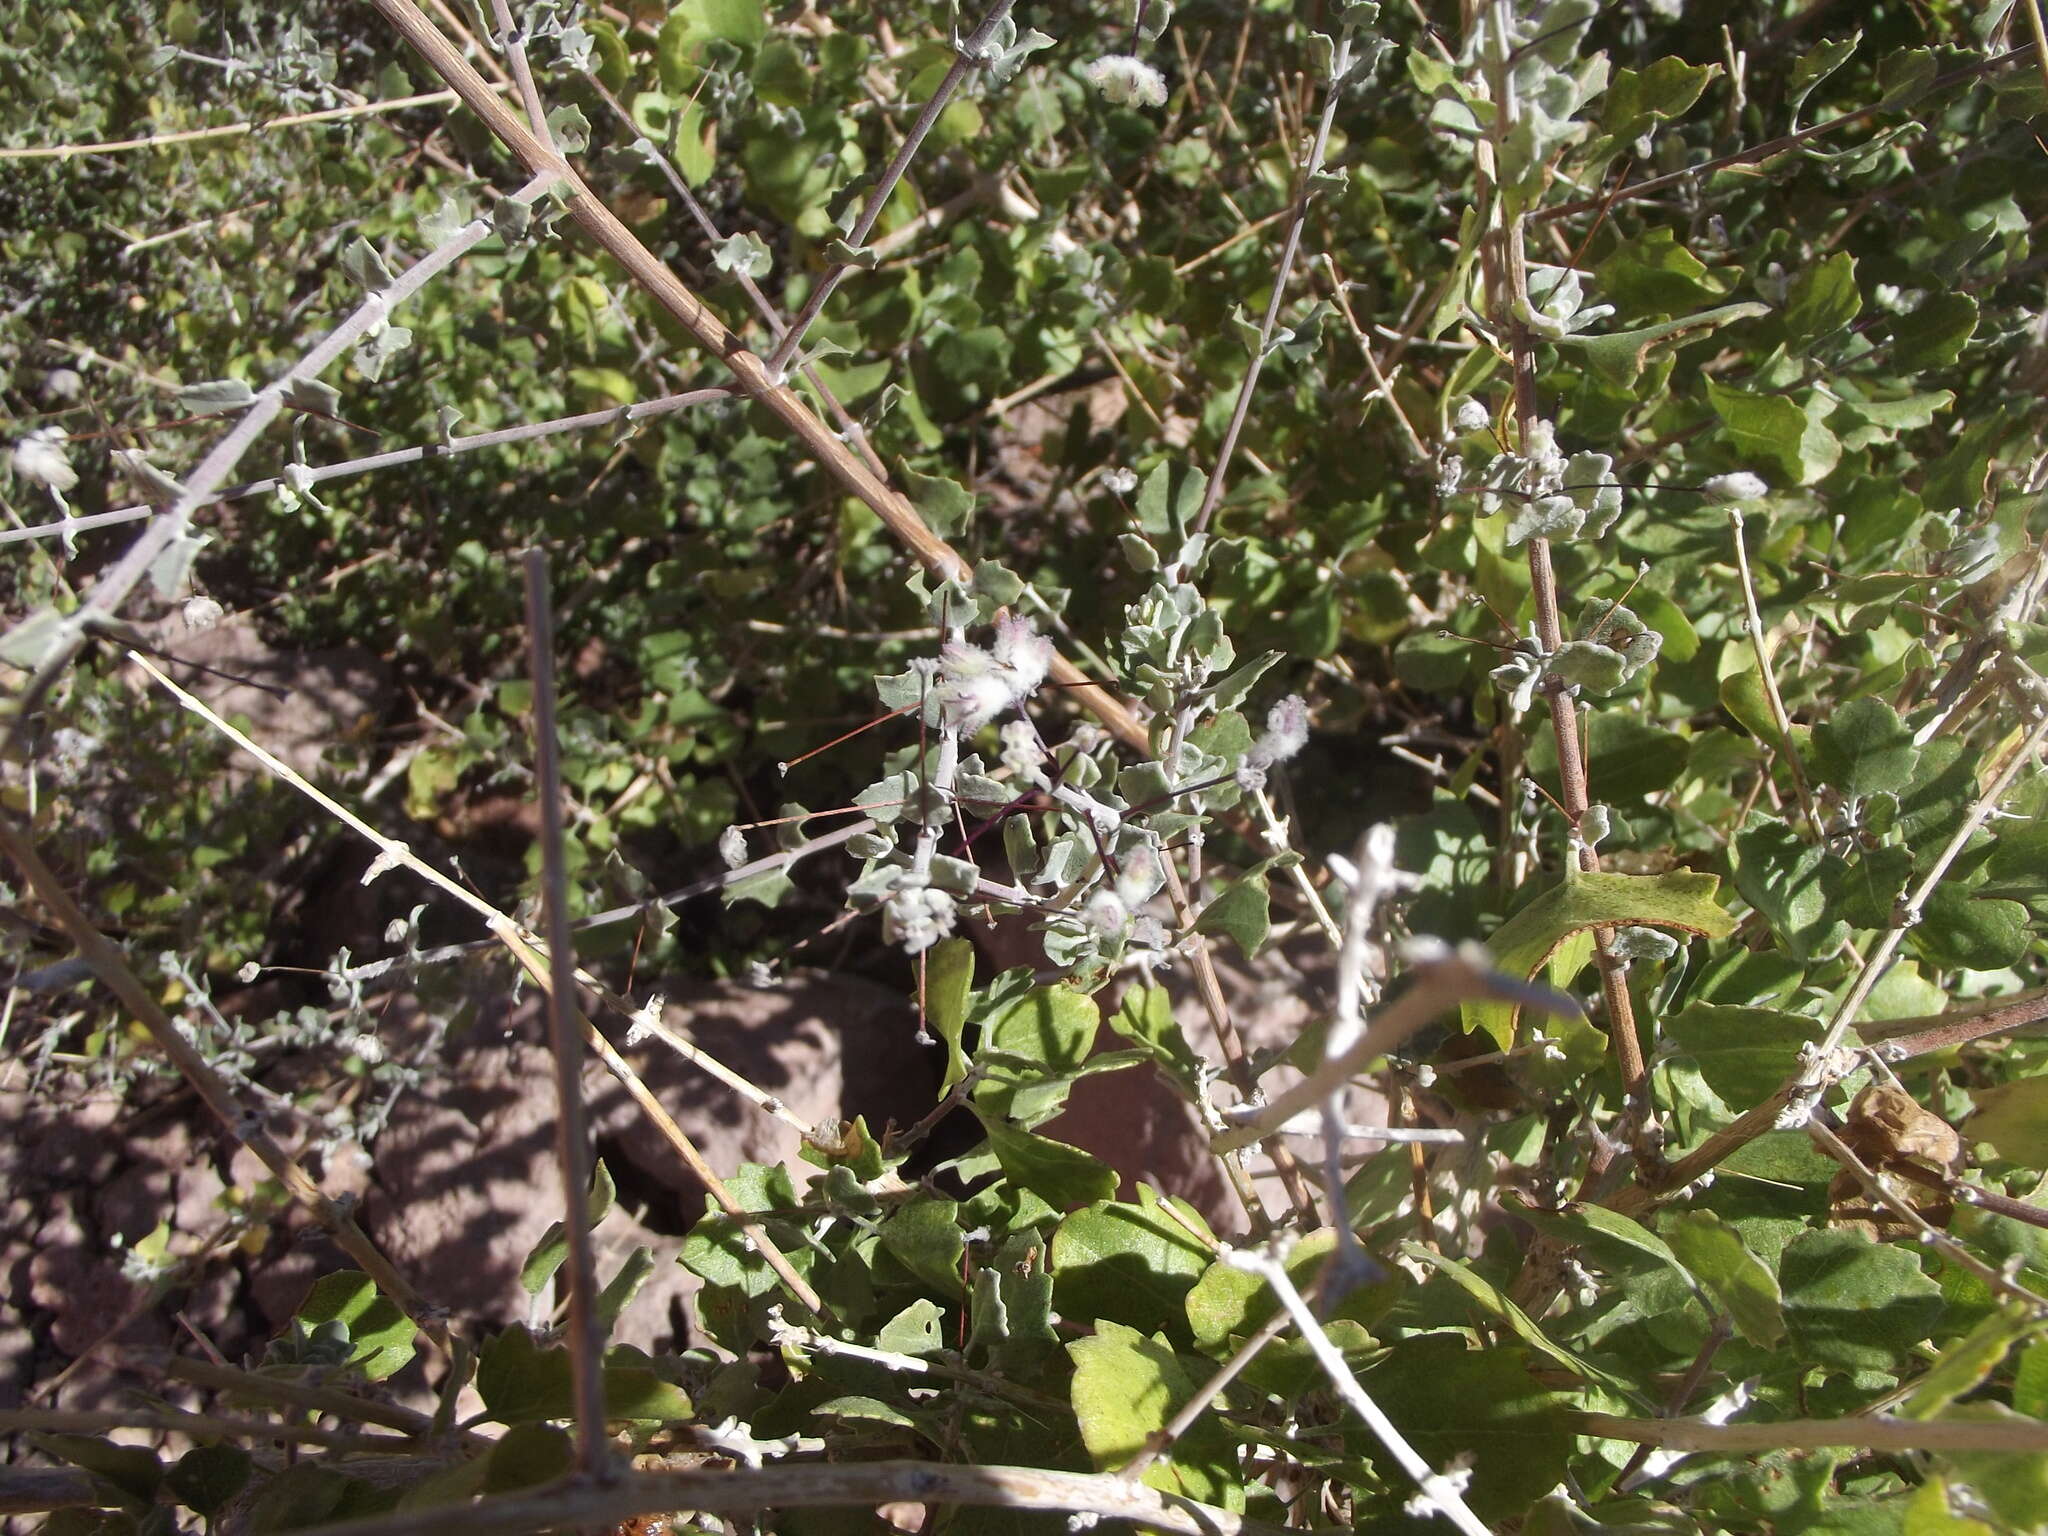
[749, 1490]
[1439, 1493]
[1903, 1039]
[512, 42]
[668, 900]
[1507, 272]
[1290, 246]
[2020, 1436]
[1779, 718]
[230, 130]
[319, 474]
[967, 57]
[565, 1039]
[198, 1425]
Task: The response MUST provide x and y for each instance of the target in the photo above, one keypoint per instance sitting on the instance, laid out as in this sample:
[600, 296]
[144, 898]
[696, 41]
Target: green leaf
[737, 21]
[1168, 500]
[215, 396]
[1779, 874]
[207, 1477]
[1228, 1302]
[2012, 1489]
[1611, 1241]
[1145, 1014]
[924, 1237]
[1865, 890]
[1974, 933]
[619, 1292]
[1681, 900]
[552, 1250]
[1743, 1053]
[1933, 335]
[914, 1330]
[1855, 1303]
[1863, 748]
[1654, 273]
[381, 1334]
[1032, 1049]
[1638, 100]
[780, 74]
[522, 1382]
[1126, 1386]
[945, 504]
[1772, 430]
[1933, 1510]
[1498, 1306]
[1060, 1175]
[1130, 1263]
[363, 266]
[1967, 1363]
[1622, 355]
[2013, 1117]
[1740, 1283]
[1823, 298]
[1477, 1407]
[948, 978]
[526, 1456]
[1814, 66]
[2030, 1381]
[133, 1472]
[1242, 912]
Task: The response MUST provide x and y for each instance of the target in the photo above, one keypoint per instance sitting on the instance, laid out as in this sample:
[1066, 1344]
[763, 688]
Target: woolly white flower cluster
[1286, 734]
[1127, 81]
[917, 915]
[976, 685]
[40, 459]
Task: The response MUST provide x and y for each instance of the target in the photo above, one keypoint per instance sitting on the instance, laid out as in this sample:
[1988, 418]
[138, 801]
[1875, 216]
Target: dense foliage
[1597, 445]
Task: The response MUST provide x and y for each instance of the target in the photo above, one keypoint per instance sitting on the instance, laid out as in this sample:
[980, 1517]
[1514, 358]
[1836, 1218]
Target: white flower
[63, 384]
[1120, 481]
[976, 685]
[40, 458]
[1741, 486]
[367, 1048]
[202, 613]
[1472, 416]
[1127, 81]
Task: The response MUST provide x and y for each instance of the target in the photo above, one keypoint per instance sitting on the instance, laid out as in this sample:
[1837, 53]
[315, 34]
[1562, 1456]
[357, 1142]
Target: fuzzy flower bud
[976, 685]
[732, 847]
[1741, 486]
[1127, 81]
